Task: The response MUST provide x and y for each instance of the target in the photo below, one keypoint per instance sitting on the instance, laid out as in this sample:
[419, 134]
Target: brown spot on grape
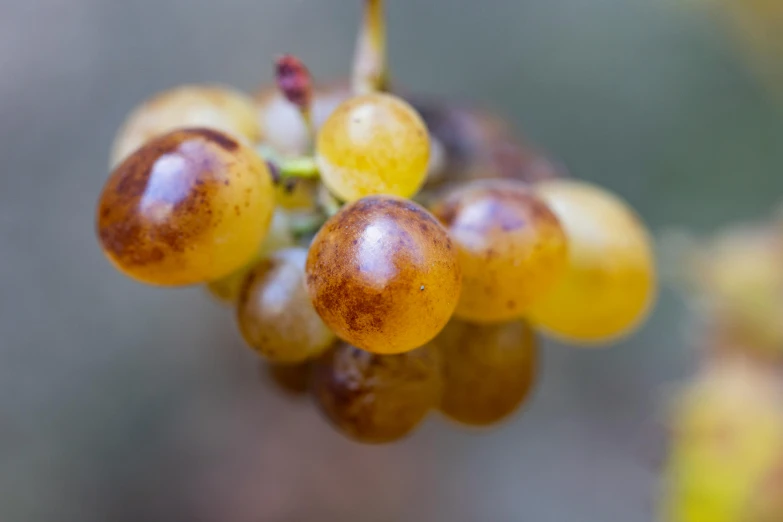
[223, 140]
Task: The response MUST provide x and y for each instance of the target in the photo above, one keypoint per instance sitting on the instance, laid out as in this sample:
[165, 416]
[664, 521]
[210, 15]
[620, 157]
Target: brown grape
[376, 398]
[215, 107]
[480, 145]
[384, 275]
[274, 311]
[188, 207]
[488, 370]
[512, 248]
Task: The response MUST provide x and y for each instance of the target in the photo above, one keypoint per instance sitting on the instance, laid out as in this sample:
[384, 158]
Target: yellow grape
[376, 398]
[609, 283]
[727, 447]
[512, 248]
[274, 312]
[488, 370]
[188, 207]
[278, 237]
[215, 107]
[384, 275]
[373, 144]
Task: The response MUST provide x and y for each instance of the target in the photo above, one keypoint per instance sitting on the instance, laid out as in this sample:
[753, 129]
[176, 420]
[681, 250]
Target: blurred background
[126, 403]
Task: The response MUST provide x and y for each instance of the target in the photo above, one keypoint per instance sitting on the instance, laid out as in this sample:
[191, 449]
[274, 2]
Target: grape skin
[512, 248]
[384, 275]
[274, 312]
[373, 144]
[189, 207]
[211, 106]
[488, 370]
[375, 398]
[609, 284]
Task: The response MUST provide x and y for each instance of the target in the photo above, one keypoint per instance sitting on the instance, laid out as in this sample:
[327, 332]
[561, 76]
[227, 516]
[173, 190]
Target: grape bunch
[725, 459]
[387, 253]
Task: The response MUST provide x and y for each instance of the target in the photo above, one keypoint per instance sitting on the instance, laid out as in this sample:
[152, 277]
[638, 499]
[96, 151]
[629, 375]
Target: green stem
[303, 167]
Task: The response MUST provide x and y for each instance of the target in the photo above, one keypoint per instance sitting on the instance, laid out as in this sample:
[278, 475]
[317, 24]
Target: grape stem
[303, 167]
[283, 169]
[370, 70]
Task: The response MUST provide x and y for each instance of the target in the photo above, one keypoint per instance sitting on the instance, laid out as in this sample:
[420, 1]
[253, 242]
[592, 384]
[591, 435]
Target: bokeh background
[124, 403]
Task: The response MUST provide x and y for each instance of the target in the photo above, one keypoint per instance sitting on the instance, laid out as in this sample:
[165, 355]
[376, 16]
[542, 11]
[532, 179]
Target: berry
[384, 274]
[727, 447]
[274, 311]
[214, 107]
[488, 370]
[188, 207]
[376, 398]
[609, 283]
[373, 144]
[512, 248]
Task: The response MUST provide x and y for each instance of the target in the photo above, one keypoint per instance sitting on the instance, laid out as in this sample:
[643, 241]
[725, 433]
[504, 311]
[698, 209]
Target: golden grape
[384, 275]
[512, 248]
[376, 398]
[609, 284]
[188, 207]
[274, 311]
[373, 144]
[215, 107]
[488, 370]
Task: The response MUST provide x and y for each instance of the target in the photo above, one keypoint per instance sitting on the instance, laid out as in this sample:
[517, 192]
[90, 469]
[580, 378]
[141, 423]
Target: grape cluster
[387, 253]
[725, 422]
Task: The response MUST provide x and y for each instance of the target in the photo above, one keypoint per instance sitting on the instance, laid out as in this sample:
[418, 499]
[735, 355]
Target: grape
[214, 107]
[188, 207]
[480, 145]
[726, 447]
[274, 311]
[292, 379]
[609, 284]
[281, 123]
[376, 398]
[488, 370]
[373, 144]
[279, 236]
[384, 275]
[511, 247]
